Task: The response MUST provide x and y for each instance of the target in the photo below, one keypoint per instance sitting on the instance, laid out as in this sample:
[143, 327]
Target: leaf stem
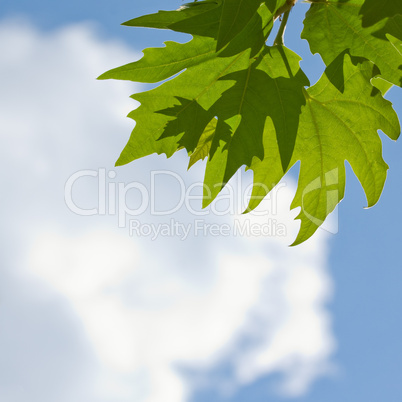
[281, 32]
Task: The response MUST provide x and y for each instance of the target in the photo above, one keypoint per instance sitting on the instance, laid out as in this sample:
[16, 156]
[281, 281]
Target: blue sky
[51, 340]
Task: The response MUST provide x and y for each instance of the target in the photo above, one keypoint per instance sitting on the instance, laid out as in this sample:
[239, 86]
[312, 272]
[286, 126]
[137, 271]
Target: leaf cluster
[239, 102]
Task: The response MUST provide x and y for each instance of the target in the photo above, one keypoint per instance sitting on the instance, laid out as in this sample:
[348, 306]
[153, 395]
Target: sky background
[90, 313]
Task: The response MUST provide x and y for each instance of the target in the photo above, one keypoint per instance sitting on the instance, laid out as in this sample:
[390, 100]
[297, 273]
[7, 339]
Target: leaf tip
[120, 162]
[103, 76]
[297, 241]
[206, 201]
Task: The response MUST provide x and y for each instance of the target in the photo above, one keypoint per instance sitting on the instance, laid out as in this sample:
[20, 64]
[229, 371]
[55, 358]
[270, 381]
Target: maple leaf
[338, 122]
[200, 18]
[270, 89]
[201, 84]
[236, 14]
[238, 102]
[234, 17]
[161, 63]
[331, 26]
[374, 11]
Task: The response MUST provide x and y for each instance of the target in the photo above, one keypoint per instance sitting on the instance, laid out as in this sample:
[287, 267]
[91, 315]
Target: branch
[281, 33]
[286, 7]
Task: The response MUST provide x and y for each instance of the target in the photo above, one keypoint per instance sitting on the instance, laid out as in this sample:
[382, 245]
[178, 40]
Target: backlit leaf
[332, 26]
[374, 11]
[236, 101]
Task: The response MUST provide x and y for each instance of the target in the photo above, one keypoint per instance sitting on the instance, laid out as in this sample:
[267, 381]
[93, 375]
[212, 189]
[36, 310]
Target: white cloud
[148, 310]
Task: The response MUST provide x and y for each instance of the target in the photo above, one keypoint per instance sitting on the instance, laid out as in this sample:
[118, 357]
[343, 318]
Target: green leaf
[204, 144]
[332, 26]
[382, 85]
[271, 89]
[161, 63]
[394, 28]
[339, 122]
[374, 11]
[397, 43]
[391, 27]
[200, 18]
[189, 123]
[151, 121]
[238, 102]
[201, 84]
[284, 85]
[336, 126]
[235, 16]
